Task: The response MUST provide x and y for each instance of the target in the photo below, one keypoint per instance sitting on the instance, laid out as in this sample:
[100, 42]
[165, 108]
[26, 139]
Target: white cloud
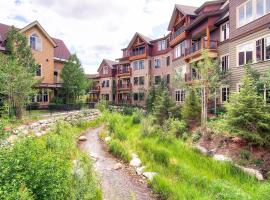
[94, 29]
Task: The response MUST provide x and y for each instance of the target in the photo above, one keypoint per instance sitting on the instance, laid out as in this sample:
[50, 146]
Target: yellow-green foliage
[43, 168]
[183, 173]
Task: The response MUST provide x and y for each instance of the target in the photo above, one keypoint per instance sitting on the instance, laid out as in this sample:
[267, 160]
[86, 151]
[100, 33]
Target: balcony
[126, 86]
[95, 89]
[138, 54]
[190, 77]
[124, 72]
[194, 52]
[178, 36]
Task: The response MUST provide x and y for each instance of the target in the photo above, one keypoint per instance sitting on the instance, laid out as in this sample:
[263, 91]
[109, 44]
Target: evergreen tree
[247, 112]
[18, 47]
[16, 83]
[75, 82]
[191, 109]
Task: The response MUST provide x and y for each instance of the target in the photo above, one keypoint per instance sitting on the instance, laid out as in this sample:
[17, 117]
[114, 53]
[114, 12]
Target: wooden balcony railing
[95, 88]
[198, 46]
[124, 71]
[178, 32]
[127, 86]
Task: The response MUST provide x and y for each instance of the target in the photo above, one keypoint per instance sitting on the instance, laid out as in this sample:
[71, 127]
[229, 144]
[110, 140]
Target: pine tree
[191, 109]
[247, 112]
[75, 82]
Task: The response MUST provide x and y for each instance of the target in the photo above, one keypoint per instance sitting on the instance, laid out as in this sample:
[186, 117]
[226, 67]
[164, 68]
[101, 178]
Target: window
[157, 80]
[39, 96]
[179, 95]
[138, 65]
[225, 92]
[38, 71]
[135, 96]
[35, 42]
[45, 96]
[245, 54]
[135, 80]
[141, 80]
[162, 45]
[107, 83]
[224, 32]
[105, 70]
[259, 50]
[251, 10]
[179, 50]
[55, 74]
[224, 63]
[168, 60]
[157, 63]
[141, 96]
[260, 8]
[168, 79]
[106, 97]
[135, 65]
[267, 47]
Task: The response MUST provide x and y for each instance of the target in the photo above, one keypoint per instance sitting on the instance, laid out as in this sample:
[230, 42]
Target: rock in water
[149, 175]
[135, 162]
[117, 166]
[82, 138]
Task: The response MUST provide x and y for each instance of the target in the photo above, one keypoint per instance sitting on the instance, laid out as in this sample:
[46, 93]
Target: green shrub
[127, 110]
[120, 134]
[161, 156]
[119, 150]
[102, 105]
[137, 116]
[196, 136]
[40, 168]
[147, 126]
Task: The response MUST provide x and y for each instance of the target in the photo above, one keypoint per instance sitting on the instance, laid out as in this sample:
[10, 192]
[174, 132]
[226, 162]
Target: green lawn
[183, 173]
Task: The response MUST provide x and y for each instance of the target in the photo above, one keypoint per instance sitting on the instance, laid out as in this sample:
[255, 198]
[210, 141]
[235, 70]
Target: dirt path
[120, 184]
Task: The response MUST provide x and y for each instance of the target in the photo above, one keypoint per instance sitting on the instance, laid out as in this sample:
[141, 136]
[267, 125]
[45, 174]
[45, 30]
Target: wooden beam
[208, 37]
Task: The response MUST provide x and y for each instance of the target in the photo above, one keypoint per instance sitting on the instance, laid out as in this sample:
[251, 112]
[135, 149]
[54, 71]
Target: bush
[119, 150]
[196, 136]
[174, 127]
[147, 126]
[40, 168]
[127, 110]
[102, 105]
[137, 116]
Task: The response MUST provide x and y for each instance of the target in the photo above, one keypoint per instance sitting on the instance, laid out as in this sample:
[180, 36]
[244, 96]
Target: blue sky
[94, 29]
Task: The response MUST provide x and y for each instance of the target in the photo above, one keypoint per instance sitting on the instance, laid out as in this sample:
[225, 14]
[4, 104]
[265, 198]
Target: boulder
[107, 139]
[252, 172]
[11, 139]
[140, 170]
[133, 155]
[135, 162]
[201, 149]
[149, 175]
[222, 158]
[117, 166]
[82, 138]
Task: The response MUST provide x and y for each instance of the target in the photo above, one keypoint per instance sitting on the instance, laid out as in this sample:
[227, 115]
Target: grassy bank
[49, 167]
[183, 173]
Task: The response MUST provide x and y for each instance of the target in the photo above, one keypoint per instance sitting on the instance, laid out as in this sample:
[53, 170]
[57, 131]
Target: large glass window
[35, 42]
[224, 63]
[162, 45]
[267, 48]
[249, 10]
[260, 8]
[225, 32]
[141, 64]
[245, 54]
[141, 80]
[157, 63]
[135, 80]
[179, 50]
[157, 79]
[179, 95]
[259, 50]
[241, 15]
[225, 92]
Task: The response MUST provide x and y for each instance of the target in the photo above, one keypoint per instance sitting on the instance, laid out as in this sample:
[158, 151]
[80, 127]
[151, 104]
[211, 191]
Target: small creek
[122, 184]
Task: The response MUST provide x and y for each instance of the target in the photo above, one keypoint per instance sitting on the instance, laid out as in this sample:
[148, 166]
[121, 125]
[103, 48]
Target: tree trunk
[18, 109]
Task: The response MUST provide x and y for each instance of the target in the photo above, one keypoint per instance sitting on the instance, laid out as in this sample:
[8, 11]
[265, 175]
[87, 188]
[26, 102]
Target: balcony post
[208, 37]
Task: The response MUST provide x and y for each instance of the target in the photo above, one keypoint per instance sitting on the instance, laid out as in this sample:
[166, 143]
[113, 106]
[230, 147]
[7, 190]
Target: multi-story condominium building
[235, 32]
[50, 54]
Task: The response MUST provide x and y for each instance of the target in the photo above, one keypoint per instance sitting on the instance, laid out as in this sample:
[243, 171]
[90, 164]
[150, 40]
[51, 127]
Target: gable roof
[144, 38]
[60, 51]
[209, 3]
[108, 62]
[185, 10]
[36, 23]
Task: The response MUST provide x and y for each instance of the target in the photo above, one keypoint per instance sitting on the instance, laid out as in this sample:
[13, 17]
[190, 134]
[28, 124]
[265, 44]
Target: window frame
[37, 37]
[40, 69]
[227, 92]
[227, 33]
[180, 95]
[228, 62]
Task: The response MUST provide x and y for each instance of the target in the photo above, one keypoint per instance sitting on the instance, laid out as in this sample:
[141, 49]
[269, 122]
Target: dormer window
[35, 42]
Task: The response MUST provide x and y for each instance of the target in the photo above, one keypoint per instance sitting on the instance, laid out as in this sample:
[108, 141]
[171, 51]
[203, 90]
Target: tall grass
[183, 173]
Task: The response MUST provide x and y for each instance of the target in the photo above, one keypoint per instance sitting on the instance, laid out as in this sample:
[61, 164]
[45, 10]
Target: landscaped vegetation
[49, 167]
[183, 173]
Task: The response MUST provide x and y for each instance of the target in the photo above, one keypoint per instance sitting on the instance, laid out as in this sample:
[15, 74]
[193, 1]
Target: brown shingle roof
[186, 10]
[61, 51]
